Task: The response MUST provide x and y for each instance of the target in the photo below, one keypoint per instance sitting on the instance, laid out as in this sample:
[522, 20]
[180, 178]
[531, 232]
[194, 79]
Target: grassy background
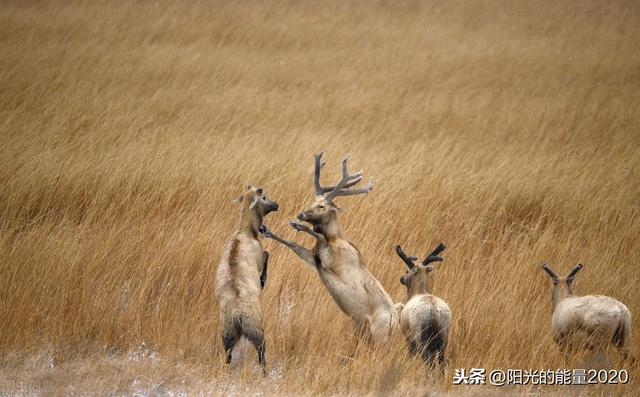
[508, 130]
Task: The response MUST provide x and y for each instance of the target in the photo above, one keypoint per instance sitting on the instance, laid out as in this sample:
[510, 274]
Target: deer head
[254, 201]
[417, 279]
[323, 211]
[561, 285]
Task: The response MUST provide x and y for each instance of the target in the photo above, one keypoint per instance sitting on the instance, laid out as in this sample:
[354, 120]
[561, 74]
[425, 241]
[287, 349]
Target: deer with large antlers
[425, 319]
[338, 262]
[591, 321]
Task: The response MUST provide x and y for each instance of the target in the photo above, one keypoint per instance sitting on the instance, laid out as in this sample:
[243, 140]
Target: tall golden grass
[508, 130]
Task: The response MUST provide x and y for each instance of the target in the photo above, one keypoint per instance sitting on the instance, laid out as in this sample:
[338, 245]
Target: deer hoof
[296, 225]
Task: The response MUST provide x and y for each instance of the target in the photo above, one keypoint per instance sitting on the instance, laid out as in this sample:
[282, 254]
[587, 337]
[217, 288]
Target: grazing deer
[592, 321]
[425, 319]
[242, 274]
[339, 263]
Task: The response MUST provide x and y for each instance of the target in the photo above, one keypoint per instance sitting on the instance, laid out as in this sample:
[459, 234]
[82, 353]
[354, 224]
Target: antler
[574, 271]
[407, 259]
[341, 189]
[551, 273]
[319, 189]
[435, 255]
[318, 164]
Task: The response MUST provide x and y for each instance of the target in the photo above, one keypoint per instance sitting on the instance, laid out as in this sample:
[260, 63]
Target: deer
[241, 275]
[591, 321]
[425, 319]
[338, 262]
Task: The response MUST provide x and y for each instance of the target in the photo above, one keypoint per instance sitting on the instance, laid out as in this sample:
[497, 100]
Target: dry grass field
[510, 130]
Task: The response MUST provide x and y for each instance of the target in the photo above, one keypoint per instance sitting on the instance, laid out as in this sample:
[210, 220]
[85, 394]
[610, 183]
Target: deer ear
[254, 201]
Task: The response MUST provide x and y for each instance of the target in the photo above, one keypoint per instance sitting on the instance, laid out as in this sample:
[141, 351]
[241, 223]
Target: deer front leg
[304, 228]
[303, 253]
[263, 275]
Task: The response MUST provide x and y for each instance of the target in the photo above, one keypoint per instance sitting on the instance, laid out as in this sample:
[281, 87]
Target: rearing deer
[339, 263]
[241, 275]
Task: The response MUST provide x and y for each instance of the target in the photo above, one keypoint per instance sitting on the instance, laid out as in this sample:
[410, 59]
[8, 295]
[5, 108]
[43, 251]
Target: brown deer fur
[339, 263]
[241, 275]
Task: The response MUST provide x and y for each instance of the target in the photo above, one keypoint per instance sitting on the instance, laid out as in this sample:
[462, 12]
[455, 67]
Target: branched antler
[409, 260]
[434, 256]
[319, 189]
[342, 188]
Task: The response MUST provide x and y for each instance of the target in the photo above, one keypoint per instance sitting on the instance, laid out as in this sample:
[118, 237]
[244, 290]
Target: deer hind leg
[382, 327]
[563, 344]
[429, 355]
[256, 337]
[433, 342]
[442, 361]
[622, 339]
[413, 347]
[230, 336]
[361, 331]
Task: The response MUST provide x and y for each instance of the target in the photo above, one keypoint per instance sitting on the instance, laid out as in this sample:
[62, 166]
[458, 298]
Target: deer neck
[421, 285]
[250, 221]
[560, 292]
[332, 230]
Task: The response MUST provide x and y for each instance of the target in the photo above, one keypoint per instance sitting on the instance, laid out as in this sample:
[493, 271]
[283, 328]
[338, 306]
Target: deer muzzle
[272, 206]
